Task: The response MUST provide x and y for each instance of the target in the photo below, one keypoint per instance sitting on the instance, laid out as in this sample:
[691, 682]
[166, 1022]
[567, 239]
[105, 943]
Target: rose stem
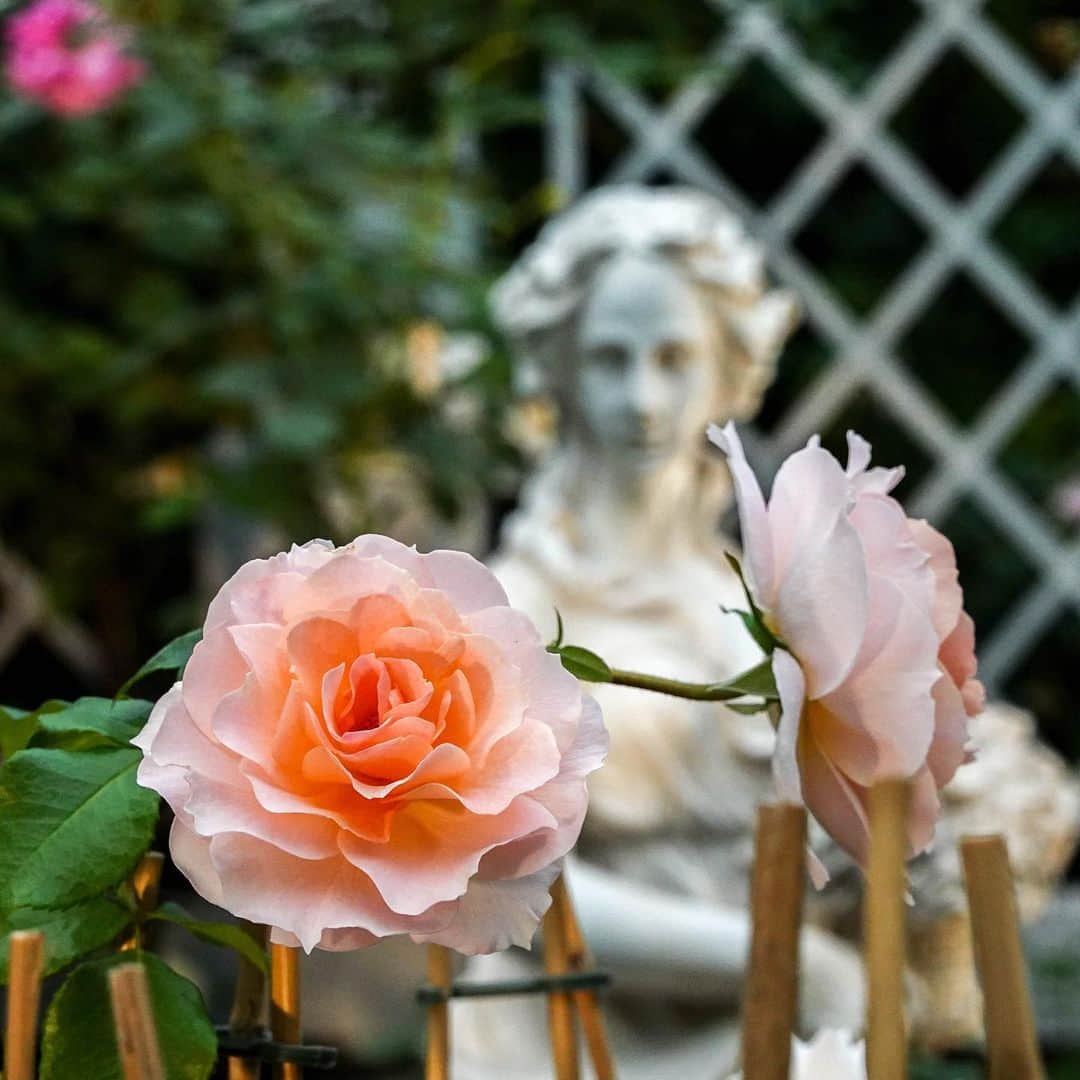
[136, 1034]
[146, 884]
[673, 687]
[776, 902]
[884, 931]
[285, 1005]
[560, 1006]
[585, 1001]
[247, 1009]
[26, 955]
[1010, 1023]
[440, 974]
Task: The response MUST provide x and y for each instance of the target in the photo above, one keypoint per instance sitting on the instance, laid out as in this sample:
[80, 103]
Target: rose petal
[835, 801]
[753, 521]
[263, 884]
[493, 915]
[791, 687]
[435, 848]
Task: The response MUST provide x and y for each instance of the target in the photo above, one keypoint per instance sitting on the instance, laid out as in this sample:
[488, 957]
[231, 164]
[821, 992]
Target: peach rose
[876, 664]
[368, 741]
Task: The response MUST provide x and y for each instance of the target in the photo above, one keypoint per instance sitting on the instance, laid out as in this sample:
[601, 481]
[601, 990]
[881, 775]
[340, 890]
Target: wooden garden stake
[136, 1034]
[585, 1001]
[776, 901]
[440, 972]
[1012, 1044]
[285, 1005]
[146, 884]
[559, 1002]
[26, 958]
[247, 1009]
[884, 931]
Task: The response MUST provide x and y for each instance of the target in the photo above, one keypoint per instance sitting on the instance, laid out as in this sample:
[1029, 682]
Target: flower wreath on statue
[368, 741]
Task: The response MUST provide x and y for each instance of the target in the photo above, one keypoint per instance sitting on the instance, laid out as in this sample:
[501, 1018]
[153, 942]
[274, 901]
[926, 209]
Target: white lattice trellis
[958, 238]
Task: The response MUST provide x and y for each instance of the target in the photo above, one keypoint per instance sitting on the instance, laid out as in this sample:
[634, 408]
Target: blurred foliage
[207, 292]
[236, 246]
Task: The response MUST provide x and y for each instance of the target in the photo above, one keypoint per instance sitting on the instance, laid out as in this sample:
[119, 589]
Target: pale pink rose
[368, 741]
[66, 55]
[876, 673]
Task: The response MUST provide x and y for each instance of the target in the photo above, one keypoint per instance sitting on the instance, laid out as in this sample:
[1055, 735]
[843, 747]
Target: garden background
[218, 298]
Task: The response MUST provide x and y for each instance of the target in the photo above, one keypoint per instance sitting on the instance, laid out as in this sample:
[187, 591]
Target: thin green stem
[676, 687]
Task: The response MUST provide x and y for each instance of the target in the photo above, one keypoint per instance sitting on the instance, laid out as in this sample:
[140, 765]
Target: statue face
[646, 349]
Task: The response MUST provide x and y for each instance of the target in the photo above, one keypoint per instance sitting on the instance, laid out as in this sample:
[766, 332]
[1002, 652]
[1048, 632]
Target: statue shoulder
[527, 587]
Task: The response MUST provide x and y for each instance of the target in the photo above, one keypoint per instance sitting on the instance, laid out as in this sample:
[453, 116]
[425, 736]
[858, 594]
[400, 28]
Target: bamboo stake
[136, 1034]
[1012, 1043]
[776, 901]
[247, 1009]
[285, 1005]
[146, 884]
[440, 974]
[561, 1024]
[26, 958]
[884, 931]
[586, 1002]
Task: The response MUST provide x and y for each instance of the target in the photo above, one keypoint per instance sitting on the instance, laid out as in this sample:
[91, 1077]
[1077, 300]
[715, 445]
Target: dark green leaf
[171, 657]
[227, 935]
[72, 824]
[78, 1039]
[69, 932]
[92, 722]
[584, 664]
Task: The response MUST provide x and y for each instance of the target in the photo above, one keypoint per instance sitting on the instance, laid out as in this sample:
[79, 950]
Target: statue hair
[537, 301]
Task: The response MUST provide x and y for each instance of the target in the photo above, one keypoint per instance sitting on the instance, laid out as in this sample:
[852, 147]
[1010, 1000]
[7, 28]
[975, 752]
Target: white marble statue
[644, 313]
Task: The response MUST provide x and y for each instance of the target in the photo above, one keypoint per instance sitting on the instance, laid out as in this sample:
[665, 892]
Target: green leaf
[78, 1038]
[171, 657]
[748, 708]
[758, 681]
[761, 634]
[16, 727]
[227, 935]
[754, 619]
[69, 932]
[556, 645]
[72, 824]
[584, 664]
[735, 565]
[92, 722]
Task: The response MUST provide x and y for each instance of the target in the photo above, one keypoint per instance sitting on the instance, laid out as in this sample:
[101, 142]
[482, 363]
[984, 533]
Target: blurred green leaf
[226, 935]
[171, 657]
[78, 1036]
[16, 727]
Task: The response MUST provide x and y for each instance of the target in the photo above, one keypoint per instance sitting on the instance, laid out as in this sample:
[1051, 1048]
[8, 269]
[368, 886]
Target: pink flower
[69, 57]
[876, 668]
[368, 741]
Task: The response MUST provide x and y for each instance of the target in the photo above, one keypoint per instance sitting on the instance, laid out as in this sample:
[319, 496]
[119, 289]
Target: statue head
[644, 312]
